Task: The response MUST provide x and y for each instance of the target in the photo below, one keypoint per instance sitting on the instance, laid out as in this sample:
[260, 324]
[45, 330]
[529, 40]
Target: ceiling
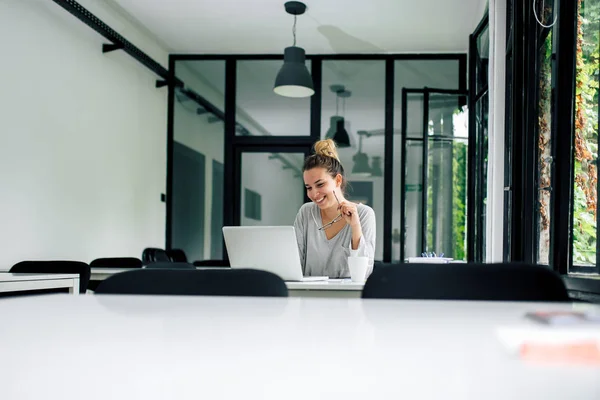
[329, 26]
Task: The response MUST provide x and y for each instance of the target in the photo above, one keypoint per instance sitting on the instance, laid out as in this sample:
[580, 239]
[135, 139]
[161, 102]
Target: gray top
[320, 256]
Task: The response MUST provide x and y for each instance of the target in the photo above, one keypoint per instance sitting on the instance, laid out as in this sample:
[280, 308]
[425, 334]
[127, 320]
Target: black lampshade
[361, 164]
[332, 126]
[293, 79]
[340, 137]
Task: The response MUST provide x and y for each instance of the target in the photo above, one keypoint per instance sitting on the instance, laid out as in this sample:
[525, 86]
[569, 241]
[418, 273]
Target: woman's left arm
[366, 236]
[363, 229]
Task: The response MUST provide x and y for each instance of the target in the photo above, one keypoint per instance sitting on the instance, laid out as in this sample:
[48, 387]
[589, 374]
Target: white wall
[83, 137]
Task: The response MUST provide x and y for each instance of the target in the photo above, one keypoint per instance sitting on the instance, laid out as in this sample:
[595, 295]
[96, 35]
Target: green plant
[459, 197]
[586, 132]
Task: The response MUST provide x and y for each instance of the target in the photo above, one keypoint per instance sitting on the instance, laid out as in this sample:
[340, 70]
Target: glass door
[434, 176]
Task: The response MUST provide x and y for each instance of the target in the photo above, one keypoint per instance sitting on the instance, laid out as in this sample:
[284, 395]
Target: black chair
[56, 267]
[169, 265]
[212, 263]
[378, 264]
[153, 254]
[117, 262]
[177, 255]
[216, 282]
[499, 282]
[113, 262]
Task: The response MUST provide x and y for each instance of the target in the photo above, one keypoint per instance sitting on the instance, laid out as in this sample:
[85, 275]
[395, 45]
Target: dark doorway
[188, 201]
[216, 236]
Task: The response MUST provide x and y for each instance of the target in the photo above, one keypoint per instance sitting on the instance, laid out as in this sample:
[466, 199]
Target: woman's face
[320, 186]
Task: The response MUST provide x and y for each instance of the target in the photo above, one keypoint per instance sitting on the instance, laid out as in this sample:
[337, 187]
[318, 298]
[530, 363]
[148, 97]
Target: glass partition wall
[406, 156]
[353, 91]
[434, 142]
[197, 160]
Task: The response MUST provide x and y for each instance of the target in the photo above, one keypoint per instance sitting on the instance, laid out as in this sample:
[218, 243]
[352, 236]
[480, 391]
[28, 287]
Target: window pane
[414, 199]
[354, 95]
[413, 74]
[508, 164]
[272, 188]
[459, 198]
[446, 198]
[481, 160]
[447, 177]
[417, 74]
[414, 108]
[482, 64]
[586, 137]
[197, 195]
[261, 112]
[544, 159]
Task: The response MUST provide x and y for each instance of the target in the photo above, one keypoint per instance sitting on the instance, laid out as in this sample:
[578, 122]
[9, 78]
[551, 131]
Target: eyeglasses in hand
[336, 219]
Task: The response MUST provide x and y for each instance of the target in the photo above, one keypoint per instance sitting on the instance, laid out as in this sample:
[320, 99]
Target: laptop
[268, 248]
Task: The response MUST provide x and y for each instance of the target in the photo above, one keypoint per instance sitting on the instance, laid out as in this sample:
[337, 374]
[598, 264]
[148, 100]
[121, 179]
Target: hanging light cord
[538, 19]
[294, 30]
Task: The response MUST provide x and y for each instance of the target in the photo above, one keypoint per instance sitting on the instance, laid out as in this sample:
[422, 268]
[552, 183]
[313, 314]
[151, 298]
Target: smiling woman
[330, 228]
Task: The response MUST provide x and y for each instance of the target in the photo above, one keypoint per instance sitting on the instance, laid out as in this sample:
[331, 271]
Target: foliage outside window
[459, 199]
[544, 149]
[457, 149]
[586, 133]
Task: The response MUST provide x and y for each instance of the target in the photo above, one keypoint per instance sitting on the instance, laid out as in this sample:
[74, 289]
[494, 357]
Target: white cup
[358, 268]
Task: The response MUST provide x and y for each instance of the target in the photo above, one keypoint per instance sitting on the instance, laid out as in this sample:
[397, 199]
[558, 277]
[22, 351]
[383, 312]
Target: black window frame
[478, 147]
[522, 76]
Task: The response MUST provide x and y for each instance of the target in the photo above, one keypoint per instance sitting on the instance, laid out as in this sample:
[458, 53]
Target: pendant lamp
[293, 79]
[361, 160]
[337, 130]
[376, 166]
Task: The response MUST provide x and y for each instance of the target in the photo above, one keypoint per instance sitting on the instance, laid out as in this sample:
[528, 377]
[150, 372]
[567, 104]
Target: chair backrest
[216, 282]
[117, 262]
[378, 264]
[169, 265]
[501, 282]
[177, 255]
[212, 263]
[57, 267]
[153, 254]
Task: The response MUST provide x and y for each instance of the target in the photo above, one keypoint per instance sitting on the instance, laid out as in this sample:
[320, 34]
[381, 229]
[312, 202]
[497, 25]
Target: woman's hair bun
[327, 148]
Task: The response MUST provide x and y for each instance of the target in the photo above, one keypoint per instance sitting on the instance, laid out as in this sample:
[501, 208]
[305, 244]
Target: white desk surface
[16, 282]
[163, 347]
[334, 284]
[19, 276]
